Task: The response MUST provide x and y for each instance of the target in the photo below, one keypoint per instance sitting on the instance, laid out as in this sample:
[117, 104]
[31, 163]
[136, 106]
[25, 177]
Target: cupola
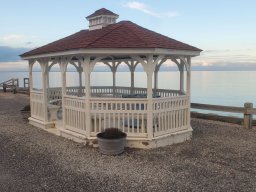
[101, 18]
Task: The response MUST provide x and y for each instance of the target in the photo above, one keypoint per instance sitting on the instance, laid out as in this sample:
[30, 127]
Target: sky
[224, 29]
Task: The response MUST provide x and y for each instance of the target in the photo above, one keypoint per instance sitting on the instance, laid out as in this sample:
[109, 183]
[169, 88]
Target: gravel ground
[220, 157]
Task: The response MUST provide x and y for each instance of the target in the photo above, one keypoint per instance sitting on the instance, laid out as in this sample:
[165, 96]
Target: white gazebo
[151, 117]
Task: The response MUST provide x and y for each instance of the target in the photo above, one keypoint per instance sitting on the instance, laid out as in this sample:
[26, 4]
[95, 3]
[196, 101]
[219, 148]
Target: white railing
[167, 93]
[108, 91]
[170, 115]
[76, 91]
[75, 115]
[37, 105]
[129, 115]
[55, 93]
[100, 91]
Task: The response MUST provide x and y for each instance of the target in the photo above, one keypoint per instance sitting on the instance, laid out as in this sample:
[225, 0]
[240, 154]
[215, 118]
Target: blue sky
[224, 29]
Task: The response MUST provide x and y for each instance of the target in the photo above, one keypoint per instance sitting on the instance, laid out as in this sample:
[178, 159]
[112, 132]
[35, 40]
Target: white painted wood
[90, 109]
[63, 67]
[113, 51]
[37, 105]
[107, 91]
[181, 69]
[129, 115]
[44, 66]
[170, 115]
[75, 114]
[188, 92]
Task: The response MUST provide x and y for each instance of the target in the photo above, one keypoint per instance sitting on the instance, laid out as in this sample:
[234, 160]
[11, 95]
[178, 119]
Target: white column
[181, 69]
[114, 81]
[63, 66]
[87, 74]
[132, 66]
[80, 80]
[132, 80]
[149, 68]
[44, 67]
[30, 75]
[31, 62]
[188, 86]
[150, 104]
[188, 75]
[47, 77]
[156, 79]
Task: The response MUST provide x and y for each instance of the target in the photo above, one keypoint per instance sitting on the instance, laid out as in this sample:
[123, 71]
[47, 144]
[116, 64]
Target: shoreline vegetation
[219, 157]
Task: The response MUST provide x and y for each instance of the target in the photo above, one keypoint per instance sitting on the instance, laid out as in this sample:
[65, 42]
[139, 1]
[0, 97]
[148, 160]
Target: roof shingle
[124, 34]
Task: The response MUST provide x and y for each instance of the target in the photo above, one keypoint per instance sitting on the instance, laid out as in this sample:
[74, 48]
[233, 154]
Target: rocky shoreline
[220, 157]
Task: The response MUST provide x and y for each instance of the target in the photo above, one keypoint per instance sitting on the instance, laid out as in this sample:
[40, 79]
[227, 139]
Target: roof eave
[116, 51]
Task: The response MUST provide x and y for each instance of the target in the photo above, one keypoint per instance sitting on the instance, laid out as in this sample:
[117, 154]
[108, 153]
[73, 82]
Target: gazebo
[150, 116]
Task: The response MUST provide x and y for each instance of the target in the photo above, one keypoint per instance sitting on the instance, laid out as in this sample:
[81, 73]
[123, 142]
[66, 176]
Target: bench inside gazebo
[150, 116]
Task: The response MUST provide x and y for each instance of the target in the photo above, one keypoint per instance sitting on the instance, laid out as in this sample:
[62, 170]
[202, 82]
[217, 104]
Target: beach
[219, 157]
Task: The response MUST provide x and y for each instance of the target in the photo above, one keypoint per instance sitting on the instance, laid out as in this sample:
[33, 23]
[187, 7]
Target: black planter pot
[111, 142]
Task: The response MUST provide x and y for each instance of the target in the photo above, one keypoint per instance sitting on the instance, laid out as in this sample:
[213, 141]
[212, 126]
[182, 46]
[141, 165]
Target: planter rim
[100, 136]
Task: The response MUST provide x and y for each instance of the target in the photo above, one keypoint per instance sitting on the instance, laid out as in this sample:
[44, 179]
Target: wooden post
[181, 69]
[4, 87]
[247, 115]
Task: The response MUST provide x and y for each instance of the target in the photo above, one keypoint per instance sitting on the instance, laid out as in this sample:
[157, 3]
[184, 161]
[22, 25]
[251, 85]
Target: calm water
[212, 87]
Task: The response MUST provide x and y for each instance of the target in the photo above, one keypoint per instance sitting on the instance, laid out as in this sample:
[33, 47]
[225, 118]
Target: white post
[149, 70]
[156, 79]
[132, 81]
[132, 66]
[181, 69]
[80, 80]
[44, 67]
[188, 86]
[63, 66]
[149, 66]
[30, 75]
[150, 105]
[188, 76]
[87, 73]
[114, 81]
[31, 62]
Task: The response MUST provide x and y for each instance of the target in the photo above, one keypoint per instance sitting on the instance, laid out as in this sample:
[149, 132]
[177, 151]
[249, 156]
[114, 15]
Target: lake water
[232, 88]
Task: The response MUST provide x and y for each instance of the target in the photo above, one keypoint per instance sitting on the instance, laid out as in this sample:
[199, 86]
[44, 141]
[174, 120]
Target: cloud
[14, 66]
[13, 38]
[18, 40]
[145, 9]
[8, 54]
[227, 58]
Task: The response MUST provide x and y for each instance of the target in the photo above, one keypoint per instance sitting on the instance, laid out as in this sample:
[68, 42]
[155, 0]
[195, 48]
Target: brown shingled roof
[102, 11]
[124, 34]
